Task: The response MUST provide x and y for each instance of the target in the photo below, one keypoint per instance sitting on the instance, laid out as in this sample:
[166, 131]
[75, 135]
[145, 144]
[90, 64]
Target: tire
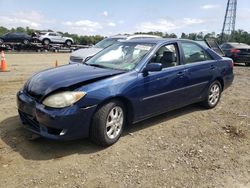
[1, 41]
[213, 95]
[68, 42]
[25, 41]
[247, 64]
[108, 123]
[46, 41]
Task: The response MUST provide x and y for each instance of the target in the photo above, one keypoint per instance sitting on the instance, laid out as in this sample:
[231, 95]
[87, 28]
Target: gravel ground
[189, 147]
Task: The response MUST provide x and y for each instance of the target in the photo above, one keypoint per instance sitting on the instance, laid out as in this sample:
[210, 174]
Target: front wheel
[108, 123]
[247, 64]
[46, 41]
[213, 95]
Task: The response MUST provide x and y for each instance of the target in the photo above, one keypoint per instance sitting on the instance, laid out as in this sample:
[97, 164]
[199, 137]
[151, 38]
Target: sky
[110, 17]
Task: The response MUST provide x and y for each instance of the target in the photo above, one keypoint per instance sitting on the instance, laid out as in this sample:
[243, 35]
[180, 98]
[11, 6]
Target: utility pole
[229, 21]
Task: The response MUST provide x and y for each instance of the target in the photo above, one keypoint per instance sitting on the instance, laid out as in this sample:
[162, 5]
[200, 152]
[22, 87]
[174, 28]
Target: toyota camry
[123, 84]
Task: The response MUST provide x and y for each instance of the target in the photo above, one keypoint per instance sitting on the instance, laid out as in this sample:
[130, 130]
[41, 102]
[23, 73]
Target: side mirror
[152, 67]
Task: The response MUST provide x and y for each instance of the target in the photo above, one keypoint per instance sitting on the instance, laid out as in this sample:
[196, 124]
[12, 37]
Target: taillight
[234, 51]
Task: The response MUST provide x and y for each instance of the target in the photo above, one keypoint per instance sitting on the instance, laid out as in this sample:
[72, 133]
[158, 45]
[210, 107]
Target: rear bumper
[59, 124]
[228, 80]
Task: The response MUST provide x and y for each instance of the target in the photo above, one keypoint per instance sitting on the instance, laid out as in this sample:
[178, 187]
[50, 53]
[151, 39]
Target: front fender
[123, 85]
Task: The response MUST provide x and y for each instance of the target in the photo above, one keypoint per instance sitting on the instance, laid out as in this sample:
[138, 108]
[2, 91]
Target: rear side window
[52, 34]
[194, 53]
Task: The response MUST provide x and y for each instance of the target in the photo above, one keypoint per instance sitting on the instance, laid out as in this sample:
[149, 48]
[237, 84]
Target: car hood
[65, 78]
[84, 53]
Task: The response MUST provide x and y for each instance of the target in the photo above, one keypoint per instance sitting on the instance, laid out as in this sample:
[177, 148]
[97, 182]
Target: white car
[53, 37]
[80, 55]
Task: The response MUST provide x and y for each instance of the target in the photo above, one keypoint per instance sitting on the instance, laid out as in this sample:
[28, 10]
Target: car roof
[156, 40]
[142, 36]
[118, 36]
[45, 32]
[235, 43]
[129, 37]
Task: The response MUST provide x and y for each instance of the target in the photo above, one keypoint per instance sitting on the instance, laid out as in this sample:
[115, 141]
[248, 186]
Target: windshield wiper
[85, 63]
[97, 65]
[101, 66]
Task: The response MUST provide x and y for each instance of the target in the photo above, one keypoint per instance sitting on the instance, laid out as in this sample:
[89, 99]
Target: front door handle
[181, 74]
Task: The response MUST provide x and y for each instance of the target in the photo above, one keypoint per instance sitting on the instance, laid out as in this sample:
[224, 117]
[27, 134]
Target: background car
[126, 82]
[15, 37]
[80, 55]
[53, 37]
[239, 52]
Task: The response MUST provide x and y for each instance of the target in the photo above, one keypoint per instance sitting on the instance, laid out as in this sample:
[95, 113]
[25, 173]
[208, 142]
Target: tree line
[238, 36]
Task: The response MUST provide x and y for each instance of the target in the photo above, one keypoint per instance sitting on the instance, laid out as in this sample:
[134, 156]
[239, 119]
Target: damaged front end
[57, 120]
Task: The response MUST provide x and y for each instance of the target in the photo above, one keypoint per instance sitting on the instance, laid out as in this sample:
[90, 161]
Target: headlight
[63, 99]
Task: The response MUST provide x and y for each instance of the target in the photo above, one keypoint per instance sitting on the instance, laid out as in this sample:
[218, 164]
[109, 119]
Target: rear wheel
[213, 95]
[25, 41]
[1, 41]
[68, 42]
[108, 123]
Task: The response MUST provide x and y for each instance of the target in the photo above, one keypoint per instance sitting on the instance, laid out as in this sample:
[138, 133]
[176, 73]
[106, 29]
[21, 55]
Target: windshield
[122, 56]
[106, 42]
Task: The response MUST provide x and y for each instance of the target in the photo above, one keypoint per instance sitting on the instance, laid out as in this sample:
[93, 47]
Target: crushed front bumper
[60, 124]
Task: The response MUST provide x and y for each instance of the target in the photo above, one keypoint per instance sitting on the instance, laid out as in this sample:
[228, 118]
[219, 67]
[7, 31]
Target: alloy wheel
[114, 122]
[214, 94]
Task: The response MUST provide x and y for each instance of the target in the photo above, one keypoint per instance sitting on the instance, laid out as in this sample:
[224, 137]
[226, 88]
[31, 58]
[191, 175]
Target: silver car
[53, 37]
[80, 55]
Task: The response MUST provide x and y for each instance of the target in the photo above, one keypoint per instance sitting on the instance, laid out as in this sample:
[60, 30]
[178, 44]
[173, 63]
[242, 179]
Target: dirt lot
[190, 147]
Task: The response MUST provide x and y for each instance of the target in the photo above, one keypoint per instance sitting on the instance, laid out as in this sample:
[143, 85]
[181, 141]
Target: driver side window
[167, 55]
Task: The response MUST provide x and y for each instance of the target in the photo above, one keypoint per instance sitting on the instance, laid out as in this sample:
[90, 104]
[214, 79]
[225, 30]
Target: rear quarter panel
[225, 68]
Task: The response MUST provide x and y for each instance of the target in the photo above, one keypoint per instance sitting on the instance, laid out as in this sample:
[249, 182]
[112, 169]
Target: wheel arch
[46, 39]
[125, 101]
[219, 79]
[69, 40]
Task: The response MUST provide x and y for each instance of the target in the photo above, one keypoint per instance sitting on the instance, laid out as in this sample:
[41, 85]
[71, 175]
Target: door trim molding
[172, 91]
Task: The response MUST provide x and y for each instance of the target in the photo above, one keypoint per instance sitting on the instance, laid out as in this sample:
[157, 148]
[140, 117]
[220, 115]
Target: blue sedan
[124, 83]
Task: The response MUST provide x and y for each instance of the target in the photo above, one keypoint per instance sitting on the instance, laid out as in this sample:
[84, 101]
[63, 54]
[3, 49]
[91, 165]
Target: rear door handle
[212, 67]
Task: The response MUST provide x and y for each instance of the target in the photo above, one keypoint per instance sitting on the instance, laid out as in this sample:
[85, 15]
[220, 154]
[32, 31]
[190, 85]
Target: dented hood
[63, 77]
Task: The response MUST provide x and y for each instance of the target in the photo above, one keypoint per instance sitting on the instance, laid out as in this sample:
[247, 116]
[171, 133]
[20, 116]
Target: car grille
[34, 125]
[30, 121]
[76, 59]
